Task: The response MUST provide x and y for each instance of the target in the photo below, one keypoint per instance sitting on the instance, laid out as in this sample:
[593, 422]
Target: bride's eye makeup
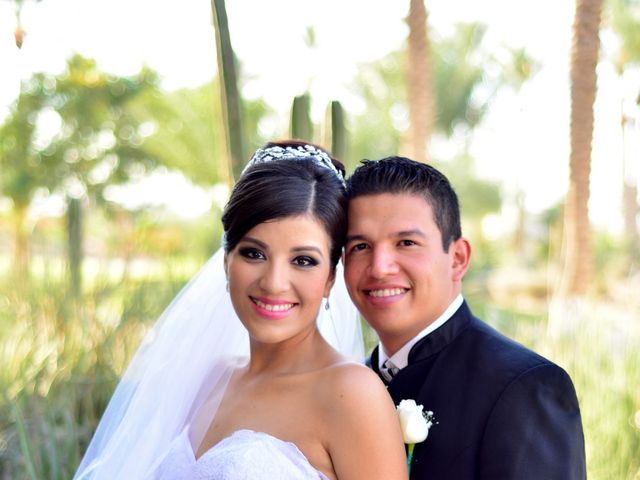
[305, 261]
[251, 253]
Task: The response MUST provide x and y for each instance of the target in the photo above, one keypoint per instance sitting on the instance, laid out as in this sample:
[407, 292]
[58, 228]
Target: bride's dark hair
[284, 188]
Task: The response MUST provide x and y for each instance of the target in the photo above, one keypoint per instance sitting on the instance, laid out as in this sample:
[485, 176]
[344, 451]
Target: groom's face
[396, 269]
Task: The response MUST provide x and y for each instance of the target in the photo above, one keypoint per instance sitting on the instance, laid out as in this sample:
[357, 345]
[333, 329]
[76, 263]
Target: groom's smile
[386, 292]
[385, 295]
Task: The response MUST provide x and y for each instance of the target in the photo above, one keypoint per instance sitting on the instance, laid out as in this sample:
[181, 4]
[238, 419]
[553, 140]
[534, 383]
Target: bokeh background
[123, 124]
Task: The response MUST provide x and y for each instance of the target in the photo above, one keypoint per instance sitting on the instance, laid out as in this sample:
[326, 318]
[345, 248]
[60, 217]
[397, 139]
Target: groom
[501, 410]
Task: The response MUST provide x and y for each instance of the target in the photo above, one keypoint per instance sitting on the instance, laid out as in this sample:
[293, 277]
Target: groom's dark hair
[400, 175]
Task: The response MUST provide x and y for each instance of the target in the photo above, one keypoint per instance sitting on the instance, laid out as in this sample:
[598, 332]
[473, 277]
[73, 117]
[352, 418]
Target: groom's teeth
[387, 292]
[274, 308]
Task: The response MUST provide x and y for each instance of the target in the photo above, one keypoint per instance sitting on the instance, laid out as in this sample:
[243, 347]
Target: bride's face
[278, 273]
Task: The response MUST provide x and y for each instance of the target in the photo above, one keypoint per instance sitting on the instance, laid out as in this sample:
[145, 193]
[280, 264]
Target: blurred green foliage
[624, 16]
[71, 134]
[460, 64]
[61, 361]
[187, 133]
[462, 90]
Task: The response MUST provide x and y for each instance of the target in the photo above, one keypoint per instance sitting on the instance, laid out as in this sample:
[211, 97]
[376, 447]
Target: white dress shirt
[400, 359]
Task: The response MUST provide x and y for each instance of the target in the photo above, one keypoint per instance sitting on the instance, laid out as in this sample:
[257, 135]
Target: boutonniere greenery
[415, 425]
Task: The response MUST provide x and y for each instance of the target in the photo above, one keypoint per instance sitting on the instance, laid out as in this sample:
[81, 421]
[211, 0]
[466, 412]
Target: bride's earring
[326, 305]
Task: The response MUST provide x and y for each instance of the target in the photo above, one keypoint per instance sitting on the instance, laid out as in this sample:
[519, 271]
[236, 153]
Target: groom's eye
[407, 243]
[358, 247]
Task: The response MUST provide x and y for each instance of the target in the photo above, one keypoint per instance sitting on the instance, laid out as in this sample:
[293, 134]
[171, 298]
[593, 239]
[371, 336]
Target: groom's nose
[383, 262]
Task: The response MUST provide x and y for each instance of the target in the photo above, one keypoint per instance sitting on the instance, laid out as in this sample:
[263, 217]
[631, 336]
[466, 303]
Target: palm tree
[456, 79]
[577, 254]
[625, 21]
[420, 82]
[630, 207]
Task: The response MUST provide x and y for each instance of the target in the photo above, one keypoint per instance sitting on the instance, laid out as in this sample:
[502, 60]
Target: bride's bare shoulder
[361, 425]
[349, 382]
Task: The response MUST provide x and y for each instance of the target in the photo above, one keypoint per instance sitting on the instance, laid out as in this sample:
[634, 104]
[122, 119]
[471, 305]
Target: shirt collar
[400, 359]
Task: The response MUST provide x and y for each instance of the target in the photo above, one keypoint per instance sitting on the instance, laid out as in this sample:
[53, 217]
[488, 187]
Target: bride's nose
[275, 277]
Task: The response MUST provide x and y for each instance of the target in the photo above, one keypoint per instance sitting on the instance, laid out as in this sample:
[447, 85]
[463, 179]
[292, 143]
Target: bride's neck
[293, 356]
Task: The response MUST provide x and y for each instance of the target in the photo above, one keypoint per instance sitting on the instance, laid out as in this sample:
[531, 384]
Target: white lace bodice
[244, 455]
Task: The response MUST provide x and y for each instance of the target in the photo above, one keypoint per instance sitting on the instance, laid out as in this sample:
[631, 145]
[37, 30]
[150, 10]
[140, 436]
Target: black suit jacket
[502, 411]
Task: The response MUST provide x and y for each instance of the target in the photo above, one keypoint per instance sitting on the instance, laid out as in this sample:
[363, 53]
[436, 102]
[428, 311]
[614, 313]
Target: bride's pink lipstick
[272, 309]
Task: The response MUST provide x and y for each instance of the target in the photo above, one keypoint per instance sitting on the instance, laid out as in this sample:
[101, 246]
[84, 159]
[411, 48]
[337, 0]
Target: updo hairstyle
[284, 188]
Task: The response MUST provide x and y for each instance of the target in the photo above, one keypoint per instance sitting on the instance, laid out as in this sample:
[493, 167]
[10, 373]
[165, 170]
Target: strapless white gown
[244, 455]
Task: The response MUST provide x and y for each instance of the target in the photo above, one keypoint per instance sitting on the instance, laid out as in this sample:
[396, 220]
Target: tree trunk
[21, 242]
[630, 196]
[420, 82]
[74, 245]
[519, 234]
[230, 96]
[630, 202]
[577, 254]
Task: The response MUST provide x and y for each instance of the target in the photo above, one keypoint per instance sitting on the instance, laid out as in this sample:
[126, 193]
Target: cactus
[338, 130]
[334, 137]
[301, 126]
[231, 101]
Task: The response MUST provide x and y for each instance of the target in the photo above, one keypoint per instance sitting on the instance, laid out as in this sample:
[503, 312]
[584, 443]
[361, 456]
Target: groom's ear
[460, 251]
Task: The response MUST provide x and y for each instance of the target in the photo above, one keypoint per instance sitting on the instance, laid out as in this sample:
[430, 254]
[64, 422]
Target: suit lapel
[409, 381]
[443, 336]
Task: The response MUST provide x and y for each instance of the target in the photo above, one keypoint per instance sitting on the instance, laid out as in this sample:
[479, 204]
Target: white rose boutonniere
[415, 425]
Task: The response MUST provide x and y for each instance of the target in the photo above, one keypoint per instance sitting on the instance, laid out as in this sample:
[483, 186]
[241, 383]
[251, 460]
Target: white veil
[183, 366]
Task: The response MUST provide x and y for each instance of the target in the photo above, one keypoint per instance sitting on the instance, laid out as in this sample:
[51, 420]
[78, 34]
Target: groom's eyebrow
[401, 233]
[410, 233]
[357, 236]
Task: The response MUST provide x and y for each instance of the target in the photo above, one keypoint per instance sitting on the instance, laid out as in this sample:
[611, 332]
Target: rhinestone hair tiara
[294, 152]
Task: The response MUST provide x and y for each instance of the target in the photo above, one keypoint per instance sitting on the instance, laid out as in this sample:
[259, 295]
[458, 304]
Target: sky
[523, 142]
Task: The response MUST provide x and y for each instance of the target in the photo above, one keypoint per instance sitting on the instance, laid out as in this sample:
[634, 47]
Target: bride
[250, 372]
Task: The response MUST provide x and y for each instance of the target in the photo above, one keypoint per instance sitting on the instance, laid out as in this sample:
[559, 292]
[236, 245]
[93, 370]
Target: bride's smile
[272, 308]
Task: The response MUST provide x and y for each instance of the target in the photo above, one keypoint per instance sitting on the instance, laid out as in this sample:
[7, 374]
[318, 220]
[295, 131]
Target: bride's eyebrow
[299, 249]
[306, 249]
[255, 241]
